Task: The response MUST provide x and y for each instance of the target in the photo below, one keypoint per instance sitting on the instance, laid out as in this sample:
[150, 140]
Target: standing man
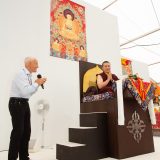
[106, 79]
[21, 90]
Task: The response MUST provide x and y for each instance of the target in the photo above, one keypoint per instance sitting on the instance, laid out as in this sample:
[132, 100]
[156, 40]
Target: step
[71, 151]
[92, 137]
[83, 135]
[74, 151]
[93, 119]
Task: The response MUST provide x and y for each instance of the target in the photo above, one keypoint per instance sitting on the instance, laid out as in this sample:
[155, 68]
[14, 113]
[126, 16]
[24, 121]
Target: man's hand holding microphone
[40, 80]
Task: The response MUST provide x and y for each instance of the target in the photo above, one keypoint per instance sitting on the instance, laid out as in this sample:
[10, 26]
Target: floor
[50, 154]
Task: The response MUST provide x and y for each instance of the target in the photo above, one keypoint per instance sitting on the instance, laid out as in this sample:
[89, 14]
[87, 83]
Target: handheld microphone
[40, 76]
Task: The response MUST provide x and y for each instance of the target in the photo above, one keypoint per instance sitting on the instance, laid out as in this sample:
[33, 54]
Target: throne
[99, 135]
[135, 136]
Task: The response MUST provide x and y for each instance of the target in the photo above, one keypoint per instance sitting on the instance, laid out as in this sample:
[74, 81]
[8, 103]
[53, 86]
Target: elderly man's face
[106, 67]
[33, 66]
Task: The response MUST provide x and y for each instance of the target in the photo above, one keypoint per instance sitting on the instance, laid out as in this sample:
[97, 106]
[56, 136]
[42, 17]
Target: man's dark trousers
[20, 135]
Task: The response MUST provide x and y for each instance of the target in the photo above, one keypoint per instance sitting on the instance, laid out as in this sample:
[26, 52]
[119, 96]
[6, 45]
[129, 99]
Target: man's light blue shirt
[22, 86]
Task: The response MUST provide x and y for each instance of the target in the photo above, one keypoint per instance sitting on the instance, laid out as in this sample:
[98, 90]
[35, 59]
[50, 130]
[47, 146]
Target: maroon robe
[108, 87]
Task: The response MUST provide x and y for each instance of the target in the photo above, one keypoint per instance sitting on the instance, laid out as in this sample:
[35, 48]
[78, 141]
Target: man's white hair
[27, 60]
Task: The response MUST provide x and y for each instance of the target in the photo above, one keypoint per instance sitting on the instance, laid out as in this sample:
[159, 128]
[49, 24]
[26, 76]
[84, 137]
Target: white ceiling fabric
[137, 18]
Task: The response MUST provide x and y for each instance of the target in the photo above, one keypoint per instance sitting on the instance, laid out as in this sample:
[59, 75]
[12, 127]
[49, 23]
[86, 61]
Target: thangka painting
[126, 66]
[156, 127]
[68, 30]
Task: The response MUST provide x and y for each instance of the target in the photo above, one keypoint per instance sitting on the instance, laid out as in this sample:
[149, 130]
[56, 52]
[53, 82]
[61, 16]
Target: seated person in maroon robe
[106, 79]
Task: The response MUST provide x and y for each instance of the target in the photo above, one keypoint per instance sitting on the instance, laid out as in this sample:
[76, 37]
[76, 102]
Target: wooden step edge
[71, 144]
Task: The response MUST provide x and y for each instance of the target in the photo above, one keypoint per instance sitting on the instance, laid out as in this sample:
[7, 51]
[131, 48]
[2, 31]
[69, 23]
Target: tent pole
[153, 63]
[141, 36]
[110, 4]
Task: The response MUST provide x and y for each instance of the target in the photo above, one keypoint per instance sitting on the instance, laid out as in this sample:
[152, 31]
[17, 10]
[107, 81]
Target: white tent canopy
[139, 26]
